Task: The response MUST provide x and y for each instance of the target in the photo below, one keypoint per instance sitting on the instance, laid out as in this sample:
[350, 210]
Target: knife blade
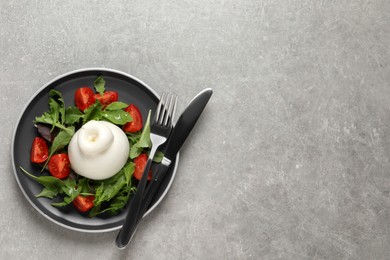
[180, 132]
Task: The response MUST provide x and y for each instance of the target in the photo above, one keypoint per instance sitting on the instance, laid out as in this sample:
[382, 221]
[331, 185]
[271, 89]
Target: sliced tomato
[59, 165]
[107, 98]
[140, 163]
[84, 98]
[39, 150]
[83, 203]
[136, 124]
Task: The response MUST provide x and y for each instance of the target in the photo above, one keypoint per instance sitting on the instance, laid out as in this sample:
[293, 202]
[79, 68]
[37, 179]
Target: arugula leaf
[46, 118]
[116, 105]
[118, 117]
[133, 137]
[110, 187]
[143, 142]
[115, 190]
[70, 190]
[93, 112]
[114, 113]
[49, 182]
[73, 115]
[57, 110]
[47, 193]
[128, 171]
[106, 192]
[83, 186]
[57, 105]
[117, 203]
[54, 112]
[52, 185]
[56, 115]
[99, 84]
[62, 139]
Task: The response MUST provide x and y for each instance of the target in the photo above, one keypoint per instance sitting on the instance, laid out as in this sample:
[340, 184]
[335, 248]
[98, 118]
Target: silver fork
[159, 132]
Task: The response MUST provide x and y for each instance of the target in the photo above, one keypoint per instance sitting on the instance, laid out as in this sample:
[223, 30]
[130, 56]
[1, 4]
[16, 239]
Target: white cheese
[98, 150]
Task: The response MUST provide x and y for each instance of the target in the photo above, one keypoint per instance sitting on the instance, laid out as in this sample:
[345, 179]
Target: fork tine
[159, 107]
[168, 110]
[164, 111]
[171, 108]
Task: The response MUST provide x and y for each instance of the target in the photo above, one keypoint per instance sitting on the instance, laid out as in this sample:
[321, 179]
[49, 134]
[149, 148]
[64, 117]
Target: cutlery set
[162, 132]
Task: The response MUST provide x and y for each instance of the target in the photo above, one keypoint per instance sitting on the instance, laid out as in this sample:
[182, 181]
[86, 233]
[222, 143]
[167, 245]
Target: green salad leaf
[62, 139]
[71, 191]
[49, 182]
[114, 190]
[118, 117]
[110, 187]
[93, 112]
[73, 115]
[54, 186]
[143, 142]
[56, 115]
[47, 193]
[116, 106]
[128, 171]
[57, 104]
[99, 84]
[117, 203]
[84, 187]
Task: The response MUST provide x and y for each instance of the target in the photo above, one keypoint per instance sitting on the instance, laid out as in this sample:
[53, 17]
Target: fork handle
[130, 224]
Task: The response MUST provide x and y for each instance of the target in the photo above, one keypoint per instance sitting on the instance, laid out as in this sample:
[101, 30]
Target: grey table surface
[290, 159]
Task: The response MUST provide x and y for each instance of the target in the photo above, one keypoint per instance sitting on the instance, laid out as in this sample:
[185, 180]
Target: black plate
[130, 90]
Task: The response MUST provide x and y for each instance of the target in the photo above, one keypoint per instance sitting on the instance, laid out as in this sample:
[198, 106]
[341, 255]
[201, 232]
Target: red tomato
[84, 98]
[83, 203]
[39, 150]
[136, 124]
[59, 165]
[140, 163]
[107, 98]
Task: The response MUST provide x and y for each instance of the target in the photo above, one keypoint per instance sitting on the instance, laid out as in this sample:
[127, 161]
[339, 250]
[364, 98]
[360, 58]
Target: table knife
[180, 132]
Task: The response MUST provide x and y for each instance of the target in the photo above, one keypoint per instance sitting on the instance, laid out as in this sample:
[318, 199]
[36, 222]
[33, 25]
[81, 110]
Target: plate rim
[14, 137]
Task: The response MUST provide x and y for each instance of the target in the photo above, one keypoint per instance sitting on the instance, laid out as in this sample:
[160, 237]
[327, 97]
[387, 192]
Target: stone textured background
[290, 159]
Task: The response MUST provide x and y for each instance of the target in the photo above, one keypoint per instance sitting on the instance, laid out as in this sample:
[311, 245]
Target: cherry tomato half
[39, 150]
[84, 98]
[59, 165]
[107, 98]
[136, 124]
[140, 163]
[83, 203]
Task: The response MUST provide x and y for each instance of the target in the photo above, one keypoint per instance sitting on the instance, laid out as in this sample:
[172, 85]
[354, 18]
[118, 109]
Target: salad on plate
[90, 154]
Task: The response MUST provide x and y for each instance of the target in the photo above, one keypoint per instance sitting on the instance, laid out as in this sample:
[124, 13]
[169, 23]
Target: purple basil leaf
[44, 131]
